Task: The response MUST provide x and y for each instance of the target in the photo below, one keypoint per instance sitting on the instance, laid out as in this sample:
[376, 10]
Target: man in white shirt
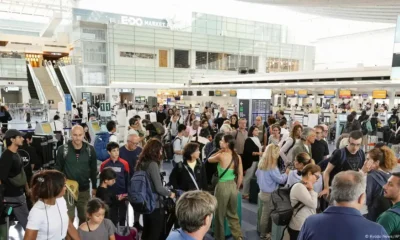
[195, 128]
[173, 126]
[178, 144]
[285, 133]
[112, 129]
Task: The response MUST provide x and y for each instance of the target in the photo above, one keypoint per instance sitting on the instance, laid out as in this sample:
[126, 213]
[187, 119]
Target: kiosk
[45, 144]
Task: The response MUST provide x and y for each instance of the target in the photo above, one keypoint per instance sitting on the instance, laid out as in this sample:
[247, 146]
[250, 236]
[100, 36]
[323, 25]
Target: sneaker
[138, 226]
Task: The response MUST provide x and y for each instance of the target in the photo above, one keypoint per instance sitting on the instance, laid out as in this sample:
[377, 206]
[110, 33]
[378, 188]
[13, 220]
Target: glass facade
[282, 65]
[238, 28]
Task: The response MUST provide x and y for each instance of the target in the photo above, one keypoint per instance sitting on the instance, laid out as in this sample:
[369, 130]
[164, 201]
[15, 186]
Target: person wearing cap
[12, 176]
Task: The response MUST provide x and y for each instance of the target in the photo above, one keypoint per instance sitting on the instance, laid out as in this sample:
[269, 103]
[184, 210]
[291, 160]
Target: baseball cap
[12, 133]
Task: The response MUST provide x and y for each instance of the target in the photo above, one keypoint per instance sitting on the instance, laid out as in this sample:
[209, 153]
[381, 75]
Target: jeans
[21, 212]
[247, 178]
[227, 194]
[265, 220]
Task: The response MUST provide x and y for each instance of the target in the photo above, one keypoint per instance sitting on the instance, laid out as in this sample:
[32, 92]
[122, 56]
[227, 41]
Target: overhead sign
[345, 94]
[244, 109]
[233, 93]
[68, 102]
[105, 109]
[329, 94]
[302, 94]
[218, 93]
[290, 93]
[379, 94]
[364, 95]
[106, 17]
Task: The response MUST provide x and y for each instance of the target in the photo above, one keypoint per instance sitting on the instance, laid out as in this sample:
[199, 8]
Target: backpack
[343, 159]
[380, 203]
[364, 128]
[169, 148]
[282, 210]
[140, 194]
[65, 153]
[100, 145]
[281, 163]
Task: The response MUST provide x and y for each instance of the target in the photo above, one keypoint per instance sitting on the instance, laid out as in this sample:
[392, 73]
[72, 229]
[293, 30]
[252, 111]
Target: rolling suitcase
[254, 190]
[226, 225]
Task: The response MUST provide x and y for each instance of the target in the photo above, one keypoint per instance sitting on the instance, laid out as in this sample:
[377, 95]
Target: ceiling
[384, 11]
[41, 8]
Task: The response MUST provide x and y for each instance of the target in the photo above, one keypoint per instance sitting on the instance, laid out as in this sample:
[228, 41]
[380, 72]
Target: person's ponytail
[390, 160]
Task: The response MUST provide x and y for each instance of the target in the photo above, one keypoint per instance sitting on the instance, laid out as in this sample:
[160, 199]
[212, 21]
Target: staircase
[50, 91]
[62, 81]
[31, 85]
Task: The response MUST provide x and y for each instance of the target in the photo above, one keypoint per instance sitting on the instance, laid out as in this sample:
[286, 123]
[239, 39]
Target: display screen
[342, 118]
[303, 94]
[218, 93]
[233, 93]
[47, 128]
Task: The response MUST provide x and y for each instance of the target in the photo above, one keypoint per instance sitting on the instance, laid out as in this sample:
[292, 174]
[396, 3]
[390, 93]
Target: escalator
[31, 85]
[61, 80]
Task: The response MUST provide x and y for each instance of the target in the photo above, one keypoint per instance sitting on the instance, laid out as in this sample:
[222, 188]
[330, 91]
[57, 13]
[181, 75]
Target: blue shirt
[179, 235]
[131, 157]
[342, 223]
[269, 180]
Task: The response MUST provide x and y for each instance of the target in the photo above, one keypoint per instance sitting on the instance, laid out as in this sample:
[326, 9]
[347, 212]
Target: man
[344, 219]
[194, 210]
[161, 115]
[77, 160]
[173, 126]
[120, 188]
[12, 176]
[112, 128]
[219, 121]
[240, 136]
[178, 144]
[347, 158]
[130, 152]
[390, 219]
[262, 131]
[285, 133]
[280, 115]
[325, 132]
[319, 148]
[194, 130]
[304, 145]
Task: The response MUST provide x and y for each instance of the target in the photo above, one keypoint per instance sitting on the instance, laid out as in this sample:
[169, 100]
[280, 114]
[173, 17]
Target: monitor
[342, 117]
[47, 128]
[96, 126]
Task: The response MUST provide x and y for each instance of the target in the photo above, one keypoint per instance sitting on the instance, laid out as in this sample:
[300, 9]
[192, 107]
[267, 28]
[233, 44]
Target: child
[118, 190]
[96, 228]
[107, 179]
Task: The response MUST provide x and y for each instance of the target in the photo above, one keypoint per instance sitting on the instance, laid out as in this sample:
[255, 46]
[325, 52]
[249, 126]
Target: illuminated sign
[290, 93]
[379, 94]
[302, 93]
[218, 93]
[345, 94]
[329, 94]
[233, 93]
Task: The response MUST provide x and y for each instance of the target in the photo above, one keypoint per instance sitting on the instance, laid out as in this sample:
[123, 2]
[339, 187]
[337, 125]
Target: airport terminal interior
[264, 90]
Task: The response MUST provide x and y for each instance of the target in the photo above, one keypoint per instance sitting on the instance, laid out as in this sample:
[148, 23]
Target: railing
[38, 86]
[67, 82]
[54, 80]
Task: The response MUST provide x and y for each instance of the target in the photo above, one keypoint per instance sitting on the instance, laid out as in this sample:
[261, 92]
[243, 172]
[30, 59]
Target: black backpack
[281, 163]
[282, 210]
[364, 128]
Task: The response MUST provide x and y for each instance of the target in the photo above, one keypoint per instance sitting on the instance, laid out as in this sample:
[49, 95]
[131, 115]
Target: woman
[268, 178]
[303, 199]
[149, 161]
[86, 131]
[205, 131]
[170, 115]
[191, 173]
[230, 174]
[383, 161]
[276, 136]
[251, 155]
[48, 219]
[189, 119]
[4, 116]
[300, 162]
[363, 116]
[210, 149]
[234, 122]
[285, 153]
[58, 130]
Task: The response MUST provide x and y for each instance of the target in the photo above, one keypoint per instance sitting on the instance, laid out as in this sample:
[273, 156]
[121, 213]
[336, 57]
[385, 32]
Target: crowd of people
[214, 161]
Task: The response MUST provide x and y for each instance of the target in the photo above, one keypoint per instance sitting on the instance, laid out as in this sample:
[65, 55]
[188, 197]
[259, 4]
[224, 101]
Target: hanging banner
[68, 102]
[302, 94]
[329, 94]
[379, 94]
[290, 93]
[345, 94]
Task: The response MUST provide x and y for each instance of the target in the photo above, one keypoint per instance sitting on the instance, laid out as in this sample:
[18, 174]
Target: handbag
[19, 180]
[215, 178]
[72, 188]
[191, 176]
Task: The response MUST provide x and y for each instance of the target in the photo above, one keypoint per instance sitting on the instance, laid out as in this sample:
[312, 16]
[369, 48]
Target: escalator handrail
[55, 81]
[38, 86]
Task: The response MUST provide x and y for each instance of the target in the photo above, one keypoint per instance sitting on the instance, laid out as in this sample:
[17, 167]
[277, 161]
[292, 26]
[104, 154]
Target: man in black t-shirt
[319, 148]
[12, 175]
[350, 157]
[220, 121]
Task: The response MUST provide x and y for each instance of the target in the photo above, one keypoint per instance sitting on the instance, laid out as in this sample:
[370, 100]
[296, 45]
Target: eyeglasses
[132, 142]
[316, 176]
[318, 132]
